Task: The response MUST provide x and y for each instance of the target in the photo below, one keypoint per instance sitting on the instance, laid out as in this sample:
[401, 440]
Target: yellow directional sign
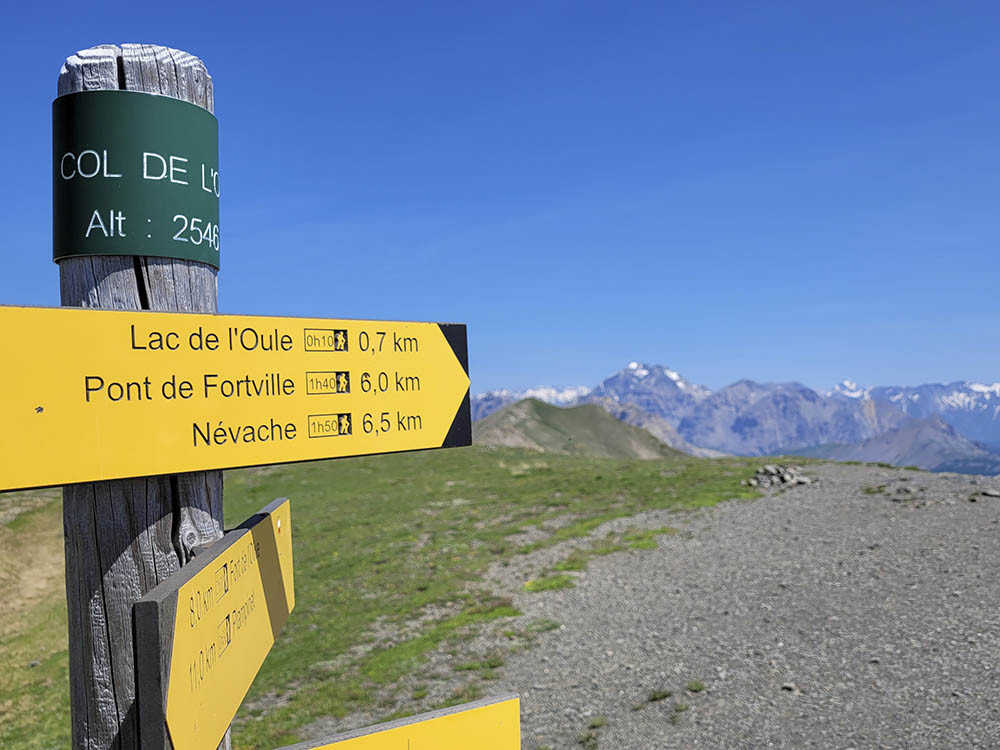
[490, 724]
[202, 634]
[87, 395]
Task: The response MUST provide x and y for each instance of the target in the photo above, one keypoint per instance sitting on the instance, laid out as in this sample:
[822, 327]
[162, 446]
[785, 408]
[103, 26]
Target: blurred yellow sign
[101, 394]
[490, 724]
[202, 634]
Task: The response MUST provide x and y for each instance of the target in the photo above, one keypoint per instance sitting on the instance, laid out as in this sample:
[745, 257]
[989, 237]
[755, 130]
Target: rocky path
[861, 611]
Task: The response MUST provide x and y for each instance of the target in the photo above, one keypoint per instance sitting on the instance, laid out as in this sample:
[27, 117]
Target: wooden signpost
[489, 724]
[202, 634]
[136, 412]
[124, 537]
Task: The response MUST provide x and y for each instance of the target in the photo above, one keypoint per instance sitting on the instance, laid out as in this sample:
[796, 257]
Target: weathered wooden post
[123, 537]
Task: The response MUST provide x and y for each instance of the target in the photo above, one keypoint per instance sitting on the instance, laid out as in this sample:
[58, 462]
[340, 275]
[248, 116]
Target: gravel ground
[818, 616]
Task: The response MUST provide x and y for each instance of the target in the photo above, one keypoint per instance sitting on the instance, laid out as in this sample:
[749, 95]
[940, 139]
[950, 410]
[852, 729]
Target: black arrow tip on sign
[460, 432]
[455, 335]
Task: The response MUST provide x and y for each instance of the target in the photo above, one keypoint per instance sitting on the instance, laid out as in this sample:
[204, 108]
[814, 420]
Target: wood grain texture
[124, 537]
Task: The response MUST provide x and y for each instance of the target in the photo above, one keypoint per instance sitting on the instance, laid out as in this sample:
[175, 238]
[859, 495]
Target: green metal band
[134, 174]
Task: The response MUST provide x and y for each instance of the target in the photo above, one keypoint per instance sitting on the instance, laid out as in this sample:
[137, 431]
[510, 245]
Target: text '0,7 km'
[163, 393]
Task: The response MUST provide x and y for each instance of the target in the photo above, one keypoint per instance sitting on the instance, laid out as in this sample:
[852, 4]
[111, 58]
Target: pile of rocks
[776, 475]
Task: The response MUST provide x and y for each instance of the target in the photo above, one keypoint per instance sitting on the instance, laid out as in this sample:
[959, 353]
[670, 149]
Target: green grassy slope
[34, 682]
[378, 541]
[586, 430]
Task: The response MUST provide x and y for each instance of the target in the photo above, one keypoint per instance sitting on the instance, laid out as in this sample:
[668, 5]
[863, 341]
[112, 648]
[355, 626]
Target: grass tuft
[550, 583]
[542, 625]
[645, 538]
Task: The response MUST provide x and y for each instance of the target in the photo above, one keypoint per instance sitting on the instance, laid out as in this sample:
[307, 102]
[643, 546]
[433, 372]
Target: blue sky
[772, 190]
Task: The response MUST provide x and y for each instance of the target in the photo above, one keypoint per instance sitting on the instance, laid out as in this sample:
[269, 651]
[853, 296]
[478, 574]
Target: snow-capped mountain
[971, 408]
[649, 376]
[745, 418]
[653, 388]
[849, 389]
[749, 418]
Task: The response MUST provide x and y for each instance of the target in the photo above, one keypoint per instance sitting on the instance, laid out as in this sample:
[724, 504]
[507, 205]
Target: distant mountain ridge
[750, 418]
[658, 427]
[745, 418]
[971, 408]
[486, 403]
[929, 443]
[585, 430]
